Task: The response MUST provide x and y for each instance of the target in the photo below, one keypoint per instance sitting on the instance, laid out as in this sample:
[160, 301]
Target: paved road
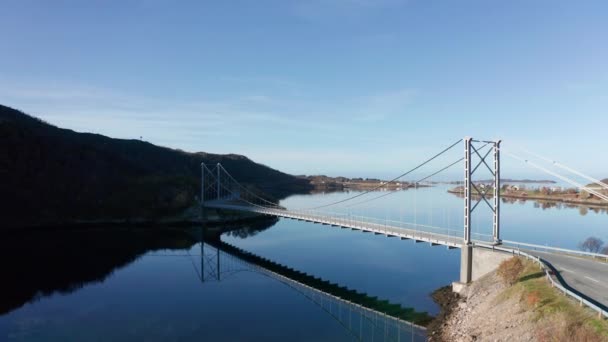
[587, 276]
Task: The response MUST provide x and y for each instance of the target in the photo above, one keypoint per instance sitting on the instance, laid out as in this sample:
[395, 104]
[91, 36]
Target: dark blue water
[123, 285]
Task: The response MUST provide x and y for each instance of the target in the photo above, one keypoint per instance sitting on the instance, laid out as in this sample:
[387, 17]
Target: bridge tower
[210, 188]
[203, 210]
[480, 195]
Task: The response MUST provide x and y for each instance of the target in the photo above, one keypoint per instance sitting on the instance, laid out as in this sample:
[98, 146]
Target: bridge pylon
[210, 187]
[472, 199]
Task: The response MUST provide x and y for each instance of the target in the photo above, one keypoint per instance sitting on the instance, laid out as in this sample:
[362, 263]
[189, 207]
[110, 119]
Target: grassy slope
[552, 310]
[54, 175]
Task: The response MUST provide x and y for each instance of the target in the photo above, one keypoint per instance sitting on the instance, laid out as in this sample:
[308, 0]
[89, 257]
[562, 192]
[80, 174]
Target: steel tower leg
[496, 225]
[218, 181]
[467, 190]
[203, 213]
[202, 184]
[466, 257]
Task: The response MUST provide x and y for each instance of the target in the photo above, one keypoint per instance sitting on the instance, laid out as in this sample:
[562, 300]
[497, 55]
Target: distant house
[514, 188]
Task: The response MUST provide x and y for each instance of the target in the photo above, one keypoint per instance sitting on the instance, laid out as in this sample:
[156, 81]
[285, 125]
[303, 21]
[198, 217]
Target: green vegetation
[52, 175]
[558, 317]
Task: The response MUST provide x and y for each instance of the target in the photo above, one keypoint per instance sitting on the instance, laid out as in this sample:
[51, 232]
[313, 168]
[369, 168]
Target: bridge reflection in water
[102, 251]
[366, 318]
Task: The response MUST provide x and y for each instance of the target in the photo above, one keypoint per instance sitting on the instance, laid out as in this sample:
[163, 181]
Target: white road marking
[567, 270]
[597, 281]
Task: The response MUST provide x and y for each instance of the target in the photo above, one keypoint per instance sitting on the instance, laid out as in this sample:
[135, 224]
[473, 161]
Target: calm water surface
[143, 284]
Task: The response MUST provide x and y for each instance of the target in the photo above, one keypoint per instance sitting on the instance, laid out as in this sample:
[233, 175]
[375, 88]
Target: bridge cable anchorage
[565, 167]
[390, 181]
[555, 174]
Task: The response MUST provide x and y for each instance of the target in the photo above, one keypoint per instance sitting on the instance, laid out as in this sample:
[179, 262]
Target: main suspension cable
[392, 180]
[416, 183]
[566, 179]
[247, 190]
[569, 169]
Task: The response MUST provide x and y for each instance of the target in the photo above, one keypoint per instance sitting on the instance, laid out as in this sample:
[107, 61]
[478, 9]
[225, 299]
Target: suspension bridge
[479, 253]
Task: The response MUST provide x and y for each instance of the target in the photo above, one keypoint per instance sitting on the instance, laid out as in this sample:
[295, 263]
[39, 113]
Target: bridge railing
[409, 225]
[363, 222]
[353, 220]
[549, 249]
[381, 225]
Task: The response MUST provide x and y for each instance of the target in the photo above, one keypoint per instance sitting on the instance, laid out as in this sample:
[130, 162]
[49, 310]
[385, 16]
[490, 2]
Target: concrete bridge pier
[466, 264]
[477, 262]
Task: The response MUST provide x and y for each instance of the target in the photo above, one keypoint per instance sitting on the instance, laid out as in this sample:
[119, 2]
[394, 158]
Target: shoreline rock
[480, 313]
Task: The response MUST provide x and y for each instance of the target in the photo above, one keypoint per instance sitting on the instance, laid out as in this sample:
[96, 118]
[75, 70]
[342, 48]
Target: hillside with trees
[52, 175]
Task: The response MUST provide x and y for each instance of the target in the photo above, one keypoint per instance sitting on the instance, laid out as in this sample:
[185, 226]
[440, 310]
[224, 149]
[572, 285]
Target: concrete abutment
[477, 262]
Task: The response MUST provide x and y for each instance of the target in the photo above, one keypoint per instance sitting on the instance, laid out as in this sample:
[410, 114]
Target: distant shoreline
[548, 198]
[322, 182]
[503, 181]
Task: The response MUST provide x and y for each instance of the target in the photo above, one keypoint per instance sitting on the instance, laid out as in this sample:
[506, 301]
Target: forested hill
[51, 175]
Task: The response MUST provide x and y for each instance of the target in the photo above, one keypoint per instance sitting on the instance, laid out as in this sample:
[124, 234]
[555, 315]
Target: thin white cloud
[245, 124]
[322, 10]
[92, 109]
[258, 99]
[379, 107]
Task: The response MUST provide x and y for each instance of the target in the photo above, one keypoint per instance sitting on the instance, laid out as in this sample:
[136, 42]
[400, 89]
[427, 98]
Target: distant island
[504, 180]
[544, 193]
[53, 176]
[326, 183]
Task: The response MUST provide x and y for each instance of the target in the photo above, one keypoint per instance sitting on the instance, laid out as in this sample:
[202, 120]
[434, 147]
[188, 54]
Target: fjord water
[145, 284]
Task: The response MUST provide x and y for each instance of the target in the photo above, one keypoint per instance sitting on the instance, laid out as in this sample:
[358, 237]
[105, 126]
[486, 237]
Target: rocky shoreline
[480, 314]
[447, 300]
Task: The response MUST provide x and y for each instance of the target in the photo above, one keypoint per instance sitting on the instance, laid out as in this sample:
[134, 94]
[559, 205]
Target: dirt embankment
[528, 310]
[477, 315]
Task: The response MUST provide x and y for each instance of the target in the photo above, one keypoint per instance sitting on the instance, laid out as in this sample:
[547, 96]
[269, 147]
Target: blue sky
[351, 87]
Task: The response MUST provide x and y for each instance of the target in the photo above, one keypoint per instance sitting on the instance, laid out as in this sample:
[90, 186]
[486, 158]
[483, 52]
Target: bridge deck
[404, 231]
